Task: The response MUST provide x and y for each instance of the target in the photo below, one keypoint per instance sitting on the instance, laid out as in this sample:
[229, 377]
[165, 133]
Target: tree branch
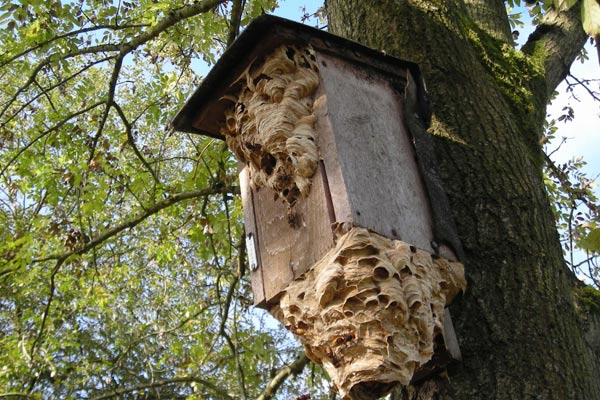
[61, 258]
[597, 43]
[44, 92]
[72, 33]
[47, 132]
[490, 16]
[140, 339]
[52, 87]
[176, 198]
[131, 141]
[584, 83]
[38, 339]
[293, 369]
[171, 19]
[556, 42]
[112, 85]
[568, 187]
[225, 314]
[165, 382]
[234, 23]
[56, 57]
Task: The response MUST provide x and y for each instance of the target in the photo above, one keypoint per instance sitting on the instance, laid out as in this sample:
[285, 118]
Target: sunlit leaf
[590, 17]
[591, 242]
[563, 4]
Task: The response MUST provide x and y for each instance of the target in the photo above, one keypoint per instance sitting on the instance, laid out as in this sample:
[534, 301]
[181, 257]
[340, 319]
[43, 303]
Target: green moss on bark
[588, 300]
[511, 69]
[517, 319]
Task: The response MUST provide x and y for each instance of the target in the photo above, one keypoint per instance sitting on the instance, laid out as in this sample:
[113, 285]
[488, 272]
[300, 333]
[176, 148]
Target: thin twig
[224, 316]
[112, 85]
[16, 395]
[171, 19]
[62, 258]
[587, 260]
[149, 211]
[38, 340]
[82, 70]
[564, 181]
[585, 86]
[238, 367]
[47, 132]
[57, 57]
[140, 339]
[44, 92]
[165, 382]
[72, 33]
[131, 141]
[563, 141]
[292, 369]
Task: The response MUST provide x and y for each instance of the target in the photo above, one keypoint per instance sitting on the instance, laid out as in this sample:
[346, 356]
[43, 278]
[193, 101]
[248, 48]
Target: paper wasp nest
[369, 311]
[271, 125]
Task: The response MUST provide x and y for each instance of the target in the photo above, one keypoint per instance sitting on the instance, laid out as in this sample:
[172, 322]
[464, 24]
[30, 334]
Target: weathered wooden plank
[317, 220]
[373, 151]
[329, 155]
[252, 238]
[287, 252]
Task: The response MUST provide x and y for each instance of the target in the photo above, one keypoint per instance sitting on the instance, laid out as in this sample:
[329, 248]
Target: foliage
[590, 11]
[590, 17]
[576, 208]
[122, 266]
[588, 299]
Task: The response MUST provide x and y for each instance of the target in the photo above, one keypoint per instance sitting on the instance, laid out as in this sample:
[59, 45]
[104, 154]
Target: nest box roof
[204, 109]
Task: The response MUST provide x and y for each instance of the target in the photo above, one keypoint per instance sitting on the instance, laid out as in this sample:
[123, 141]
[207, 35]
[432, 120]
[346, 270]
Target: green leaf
[590, 17]
[564, 4]
[591, 242]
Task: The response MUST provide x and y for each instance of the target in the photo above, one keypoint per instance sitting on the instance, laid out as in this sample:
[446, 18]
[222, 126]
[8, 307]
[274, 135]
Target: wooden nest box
[348, 234]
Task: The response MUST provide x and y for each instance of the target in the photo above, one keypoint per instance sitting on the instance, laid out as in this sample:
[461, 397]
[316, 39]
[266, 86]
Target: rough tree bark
[517, 324]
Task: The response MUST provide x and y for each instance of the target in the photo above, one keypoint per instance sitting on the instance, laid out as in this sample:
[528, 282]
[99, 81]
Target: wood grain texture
[287, 252]
[517, 318]
[371, 156]
[329, 156]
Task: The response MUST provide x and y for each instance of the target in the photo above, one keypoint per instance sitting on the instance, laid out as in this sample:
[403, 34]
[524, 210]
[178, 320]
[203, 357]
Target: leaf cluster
[122, 260]
[576, 208]
[590, 11]
[122, 266]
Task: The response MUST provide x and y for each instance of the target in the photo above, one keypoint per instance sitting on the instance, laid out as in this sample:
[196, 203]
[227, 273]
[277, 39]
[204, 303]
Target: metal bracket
[251, 250]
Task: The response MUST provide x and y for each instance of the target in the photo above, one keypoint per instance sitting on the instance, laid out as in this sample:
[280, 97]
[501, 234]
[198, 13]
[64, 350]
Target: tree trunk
[517, 325]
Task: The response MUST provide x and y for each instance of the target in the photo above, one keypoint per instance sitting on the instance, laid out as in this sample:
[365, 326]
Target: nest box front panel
[288, 250]
[368, 153]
